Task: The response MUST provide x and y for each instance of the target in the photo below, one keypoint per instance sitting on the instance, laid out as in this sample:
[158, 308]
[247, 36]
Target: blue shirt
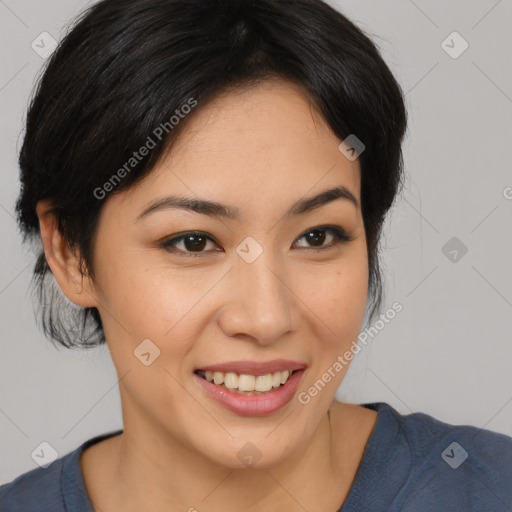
[411, 463]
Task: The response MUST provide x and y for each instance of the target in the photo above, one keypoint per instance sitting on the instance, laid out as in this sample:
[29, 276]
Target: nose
[259, 302]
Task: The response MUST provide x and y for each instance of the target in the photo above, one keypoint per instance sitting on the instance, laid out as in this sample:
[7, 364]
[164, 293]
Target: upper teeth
[249, 382]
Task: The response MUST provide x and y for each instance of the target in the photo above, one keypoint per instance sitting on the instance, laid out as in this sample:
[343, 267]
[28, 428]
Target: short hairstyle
[126, 67]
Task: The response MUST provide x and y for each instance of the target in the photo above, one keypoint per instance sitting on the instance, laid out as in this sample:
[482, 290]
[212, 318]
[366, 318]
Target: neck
[161, 473]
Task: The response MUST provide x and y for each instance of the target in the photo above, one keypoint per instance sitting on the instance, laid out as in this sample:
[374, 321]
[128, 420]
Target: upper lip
[253, 367]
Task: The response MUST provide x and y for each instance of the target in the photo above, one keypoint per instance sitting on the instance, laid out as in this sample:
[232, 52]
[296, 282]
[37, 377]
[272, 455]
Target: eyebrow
[214, 209]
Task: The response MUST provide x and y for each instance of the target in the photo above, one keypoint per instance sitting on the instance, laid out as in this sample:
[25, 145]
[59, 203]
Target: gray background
[448, 353]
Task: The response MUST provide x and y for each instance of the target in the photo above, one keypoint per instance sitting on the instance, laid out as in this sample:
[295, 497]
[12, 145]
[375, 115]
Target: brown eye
[316, 237]
[194, 244]
[190, 243]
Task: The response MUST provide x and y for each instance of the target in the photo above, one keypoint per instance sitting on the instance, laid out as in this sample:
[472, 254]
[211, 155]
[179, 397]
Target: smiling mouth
[247, 384]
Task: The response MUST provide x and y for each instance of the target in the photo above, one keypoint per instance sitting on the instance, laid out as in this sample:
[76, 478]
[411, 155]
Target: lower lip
[252, 405]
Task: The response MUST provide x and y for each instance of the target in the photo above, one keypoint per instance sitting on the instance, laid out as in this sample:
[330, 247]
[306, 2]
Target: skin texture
[260, 149]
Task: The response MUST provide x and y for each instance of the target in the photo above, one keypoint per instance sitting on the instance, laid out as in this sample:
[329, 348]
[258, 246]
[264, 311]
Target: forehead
[274, 117]
[252, 143]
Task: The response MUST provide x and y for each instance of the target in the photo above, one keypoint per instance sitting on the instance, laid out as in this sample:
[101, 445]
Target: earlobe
[63, 261]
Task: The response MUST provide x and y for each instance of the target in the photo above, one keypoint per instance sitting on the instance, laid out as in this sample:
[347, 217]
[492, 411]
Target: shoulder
[58, 487]
[462, 466]
[38, 489]
[481, 447]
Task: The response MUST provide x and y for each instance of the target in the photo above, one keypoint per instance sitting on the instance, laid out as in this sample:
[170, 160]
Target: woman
[209, 181]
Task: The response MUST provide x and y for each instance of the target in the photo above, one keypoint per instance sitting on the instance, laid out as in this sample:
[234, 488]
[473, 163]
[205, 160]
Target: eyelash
[340, 237]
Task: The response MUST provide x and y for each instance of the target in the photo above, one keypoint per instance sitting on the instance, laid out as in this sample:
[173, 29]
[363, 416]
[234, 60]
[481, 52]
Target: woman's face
[258, 286]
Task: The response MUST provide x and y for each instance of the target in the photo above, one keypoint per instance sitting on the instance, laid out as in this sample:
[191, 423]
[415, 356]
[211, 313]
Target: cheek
[144, 298]
[168, 305]
[338, 295]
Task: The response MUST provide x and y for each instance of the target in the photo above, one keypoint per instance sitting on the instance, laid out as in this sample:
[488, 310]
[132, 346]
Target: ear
[63, 261]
